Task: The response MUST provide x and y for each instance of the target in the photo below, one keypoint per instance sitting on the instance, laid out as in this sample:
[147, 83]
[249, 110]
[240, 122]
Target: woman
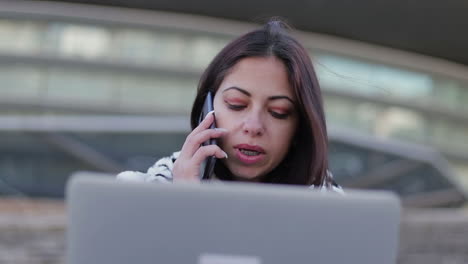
[269, 113]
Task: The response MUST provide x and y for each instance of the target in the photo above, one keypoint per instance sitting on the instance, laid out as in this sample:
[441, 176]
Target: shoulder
[161, 171]
[329, 185]
[324, 188]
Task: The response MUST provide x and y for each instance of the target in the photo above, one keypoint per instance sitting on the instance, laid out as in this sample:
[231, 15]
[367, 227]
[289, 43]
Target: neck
[223, 173]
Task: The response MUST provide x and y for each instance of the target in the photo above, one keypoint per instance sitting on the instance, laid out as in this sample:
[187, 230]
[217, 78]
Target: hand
[192, 154]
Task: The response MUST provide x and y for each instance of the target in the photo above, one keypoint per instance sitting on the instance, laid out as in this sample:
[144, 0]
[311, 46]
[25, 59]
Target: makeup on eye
[277, 112]
[235, 107]
[280, 112]
[235, 103]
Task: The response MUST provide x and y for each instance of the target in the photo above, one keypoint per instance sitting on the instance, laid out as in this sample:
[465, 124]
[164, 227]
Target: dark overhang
[434, 28]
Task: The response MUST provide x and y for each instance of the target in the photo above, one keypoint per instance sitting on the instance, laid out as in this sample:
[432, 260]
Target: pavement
[33, 231]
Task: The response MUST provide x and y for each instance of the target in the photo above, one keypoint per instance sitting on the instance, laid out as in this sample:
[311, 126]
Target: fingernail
[209, 113]
[225, 155]
[221, 129]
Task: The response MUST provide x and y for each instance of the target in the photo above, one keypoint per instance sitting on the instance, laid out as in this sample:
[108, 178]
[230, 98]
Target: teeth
[249, 152]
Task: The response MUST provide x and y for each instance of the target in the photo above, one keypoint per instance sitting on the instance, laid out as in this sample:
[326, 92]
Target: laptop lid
[227, 223]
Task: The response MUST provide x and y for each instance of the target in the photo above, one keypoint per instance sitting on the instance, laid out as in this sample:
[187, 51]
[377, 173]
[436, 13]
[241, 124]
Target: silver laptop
[112, 222]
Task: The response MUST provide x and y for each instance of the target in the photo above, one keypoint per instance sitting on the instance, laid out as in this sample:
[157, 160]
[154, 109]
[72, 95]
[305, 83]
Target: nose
[253, 124]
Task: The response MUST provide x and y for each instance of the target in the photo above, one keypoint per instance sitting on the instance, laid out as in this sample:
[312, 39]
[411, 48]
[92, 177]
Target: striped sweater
[161, 171]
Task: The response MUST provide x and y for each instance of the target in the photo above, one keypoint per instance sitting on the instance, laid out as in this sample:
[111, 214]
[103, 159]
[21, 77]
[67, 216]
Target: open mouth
[249, 152]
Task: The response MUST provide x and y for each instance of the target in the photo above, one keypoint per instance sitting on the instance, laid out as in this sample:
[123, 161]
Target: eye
[235, 107]
[278, 115]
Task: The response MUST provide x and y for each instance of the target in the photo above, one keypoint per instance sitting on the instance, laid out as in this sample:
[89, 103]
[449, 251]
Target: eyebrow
[274, 97]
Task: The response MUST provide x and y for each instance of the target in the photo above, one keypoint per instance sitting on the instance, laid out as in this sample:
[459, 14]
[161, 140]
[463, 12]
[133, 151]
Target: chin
[243, 173]
[253, 176]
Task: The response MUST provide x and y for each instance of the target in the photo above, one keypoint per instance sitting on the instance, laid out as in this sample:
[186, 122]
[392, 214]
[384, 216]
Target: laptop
[113, 222]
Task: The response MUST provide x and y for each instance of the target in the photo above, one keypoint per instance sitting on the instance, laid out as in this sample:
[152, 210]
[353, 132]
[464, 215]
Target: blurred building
[87, 87]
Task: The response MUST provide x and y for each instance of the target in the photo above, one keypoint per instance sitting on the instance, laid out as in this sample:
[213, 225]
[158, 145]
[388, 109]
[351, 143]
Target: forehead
[259, 75]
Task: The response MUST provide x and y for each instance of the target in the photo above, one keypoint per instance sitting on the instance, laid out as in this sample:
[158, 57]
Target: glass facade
[390, 102]
[159, 52]
[105, 68]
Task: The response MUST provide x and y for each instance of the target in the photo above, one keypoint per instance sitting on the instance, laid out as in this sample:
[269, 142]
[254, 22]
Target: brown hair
[307, 160]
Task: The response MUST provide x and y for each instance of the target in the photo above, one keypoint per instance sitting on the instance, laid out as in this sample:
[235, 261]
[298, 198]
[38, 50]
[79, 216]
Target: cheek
[223, 119]
[219, 113]
[283, 137]
[284, 134]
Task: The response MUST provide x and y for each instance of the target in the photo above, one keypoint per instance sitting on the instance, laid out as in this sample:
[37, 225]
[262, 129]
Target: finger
[194, 141]
[188, 144]
[205, 123]
[208, 151]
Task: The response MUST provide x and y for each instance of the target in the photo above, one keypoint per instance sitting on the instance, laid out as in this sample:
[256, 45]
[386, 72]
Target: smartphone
[206, 168]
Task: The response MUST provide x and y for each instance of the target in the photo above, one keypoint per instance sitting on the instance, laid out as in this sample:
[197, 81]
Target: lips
[249, 154]
[250, 148]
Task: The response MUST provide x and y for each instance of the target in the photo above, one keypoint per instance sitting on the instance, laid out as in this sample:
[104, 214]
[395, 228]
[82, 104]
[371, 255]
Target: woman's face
[256, 104]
